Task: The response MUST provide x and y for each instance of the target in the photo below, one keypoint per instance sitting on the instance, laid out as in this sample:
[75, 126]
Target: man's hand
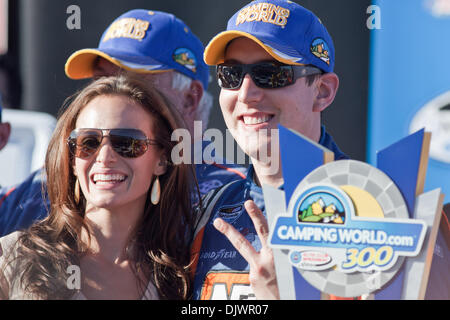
[262, 269]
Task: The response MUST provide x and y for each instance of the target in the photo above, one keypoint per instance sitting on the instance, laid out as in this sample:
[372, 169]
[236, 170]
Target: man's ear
[5, 131]
[327, 86]
[192, 97]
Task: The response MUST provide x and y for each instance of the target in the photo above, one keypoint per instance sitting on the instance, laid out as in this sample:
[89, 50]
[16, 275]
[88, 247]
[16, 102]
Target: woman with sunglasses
[119, 212]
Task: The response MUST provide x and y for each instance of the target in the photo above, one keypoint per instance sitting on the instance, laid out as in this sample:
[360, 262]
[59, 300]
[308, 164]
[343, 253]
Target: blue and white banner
[410, 81]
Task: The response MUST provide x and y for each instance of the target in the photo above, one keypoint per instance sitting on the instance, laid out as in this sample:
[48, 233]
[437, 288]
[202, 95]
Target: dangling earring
[76, 192]
[155, 193]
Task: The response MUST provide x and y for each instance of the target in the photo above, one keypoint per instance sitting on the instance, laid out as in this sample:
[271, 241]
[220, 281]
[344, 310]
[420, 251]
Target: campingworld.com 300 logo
[324, 232]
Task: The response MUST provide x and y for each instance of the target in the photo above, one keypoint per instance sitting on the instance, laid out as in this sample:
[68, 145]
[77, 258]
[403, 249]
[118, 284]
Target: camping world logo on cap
[186, 58]
[320, 49]
[263, 12]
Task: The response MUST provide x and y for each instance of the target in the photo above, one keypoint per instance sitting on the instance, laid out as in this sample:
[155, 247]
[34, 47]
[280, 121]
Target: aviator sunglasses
[128, 143]
[266, 75]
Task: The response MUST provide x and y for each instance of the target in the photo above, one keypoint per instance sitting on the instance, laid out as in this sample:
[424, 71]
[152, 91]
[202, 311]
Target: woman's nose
[106, 153]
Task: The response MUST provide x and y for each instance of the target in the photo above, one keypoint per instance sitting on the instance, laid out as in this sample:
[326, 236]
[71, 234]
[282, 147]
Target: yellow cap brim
[80, 65]
[215, 50]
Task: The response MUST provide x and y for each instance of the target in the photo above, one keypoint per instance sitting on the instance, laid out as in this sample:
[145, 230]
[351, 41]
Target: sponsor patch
[320, 49]
[186, 58]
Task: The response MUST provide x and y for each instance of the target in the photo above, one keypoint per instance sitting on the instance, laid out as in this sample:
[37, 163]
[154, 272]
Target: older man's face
[163, 81]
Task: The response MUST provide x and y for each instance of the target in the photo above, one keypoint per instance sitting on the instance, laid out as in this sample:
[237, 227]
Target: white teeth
[102, 178]
[256, 120]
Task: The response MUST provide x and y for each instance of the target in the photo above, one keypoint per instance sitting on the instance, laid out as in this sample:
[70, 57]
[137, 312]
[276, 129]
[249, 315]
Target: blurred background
[388, 61]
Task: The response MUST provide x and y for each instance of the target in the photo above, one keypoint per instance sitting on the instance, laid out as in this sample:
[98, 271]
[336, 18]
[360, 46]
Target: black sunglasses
[128, 143]
[266, 75]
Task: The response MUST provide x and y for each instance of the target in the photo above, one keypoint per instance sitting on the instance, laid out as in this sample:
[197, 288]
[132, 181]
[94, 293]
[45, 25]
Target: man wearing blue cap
[162, 50]
[274, 64]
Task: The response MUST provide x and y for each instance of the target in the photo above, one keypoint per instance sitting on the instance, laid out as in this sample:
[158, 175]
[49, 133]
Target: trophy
[346, 229]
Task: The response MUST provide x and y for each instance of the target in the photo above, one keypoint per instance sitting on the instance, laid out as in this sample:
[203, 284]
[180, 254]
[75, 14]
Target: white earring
[155, 193]
[77, 192]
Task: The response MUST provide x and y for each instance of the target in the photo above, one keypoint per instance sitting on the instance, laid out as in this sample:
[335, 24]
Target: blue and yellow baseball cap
[290, 33]
[147, 42]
